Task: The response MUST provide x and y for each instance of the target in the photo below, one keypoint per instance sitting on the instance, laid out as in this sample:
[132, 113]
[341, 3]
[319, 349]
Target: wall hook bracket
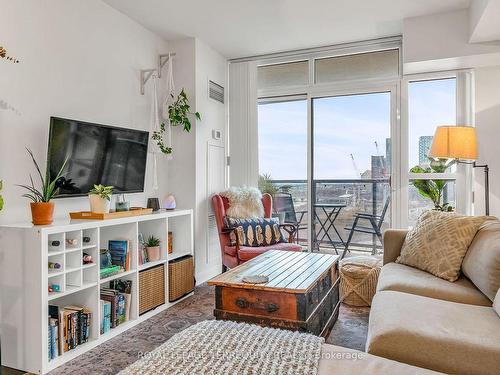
[162, 60]
[147, 73]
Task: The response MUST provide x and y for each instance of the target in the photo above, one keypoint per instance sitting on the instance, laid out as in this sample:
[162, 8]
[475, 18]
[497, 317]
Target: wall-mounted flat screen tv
[97, 154]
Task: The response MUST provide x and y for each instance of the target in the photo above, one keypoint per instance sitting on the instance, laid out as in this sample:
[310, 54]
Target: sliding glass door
[351, 170]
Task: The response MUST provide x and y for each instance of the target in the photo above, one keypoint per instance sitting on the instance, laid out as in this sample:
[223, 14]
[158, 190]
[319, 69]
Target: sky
[346, 125]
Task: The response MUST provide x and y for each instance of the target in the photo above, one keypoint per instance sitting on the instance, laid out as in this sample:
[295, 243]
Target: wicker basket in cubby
[180, 277]
[151, 288]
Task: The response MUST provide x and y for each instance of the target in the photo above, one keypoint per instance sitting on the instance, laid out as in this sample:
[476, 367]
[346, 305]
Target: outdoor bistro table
[331, 211]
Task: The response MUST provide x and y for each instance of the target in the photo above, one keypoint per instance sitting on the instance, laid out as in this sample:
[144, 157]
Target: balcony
[350, 197]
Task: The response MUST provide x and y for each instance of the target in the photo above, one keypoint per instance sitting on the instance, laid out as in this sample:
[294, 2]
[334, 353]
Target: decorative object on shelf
[55, 287]
[169, 202]
[100, 198]
[87, 215]
[458, 144]
[122, 204]
[87, 258]
[72, 241]
[154, 203]
[170, 242]
[54, 265]
[42, 209]
[3, 55]
[54, 243]
[153, 248]
[86, 239]
[105, 259]
[255, 279]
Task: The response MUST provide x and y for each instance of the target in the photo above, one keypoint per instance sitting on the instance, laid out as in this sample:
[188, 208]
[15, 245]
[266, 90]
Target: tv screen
[97, 154]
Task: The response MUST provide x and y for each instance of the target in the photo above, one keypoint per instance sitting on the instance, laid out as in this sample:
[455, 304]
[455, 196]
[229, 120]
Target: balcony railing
[354, 195]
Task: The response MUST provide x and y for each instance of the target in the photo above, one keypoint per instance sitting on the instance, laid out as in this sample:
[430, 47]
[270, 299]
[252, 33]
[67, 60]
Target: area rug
[226, 348]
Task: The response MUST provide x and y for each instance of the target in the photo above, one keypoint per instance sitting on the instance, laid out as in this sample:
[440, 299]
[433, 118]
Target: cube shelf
[79, 283]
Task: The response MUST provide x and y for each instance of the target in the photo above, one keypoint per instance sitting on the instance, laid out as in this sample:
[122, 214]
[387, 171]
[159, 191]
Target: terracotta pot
[42, 213]
[153, 253]
[99, 205]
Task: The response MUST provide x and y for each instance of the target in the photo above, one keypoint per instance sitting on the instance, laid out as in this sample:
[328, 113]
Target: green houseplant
[1, 197]
[153, 248]
[178, 114]
[100, 198]
[42, 209]
[433, 189]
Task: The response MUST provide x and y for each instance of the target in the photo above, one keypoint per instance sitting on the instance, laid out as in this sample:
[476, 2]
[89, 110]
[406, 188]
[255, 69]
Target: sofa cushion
[248, 252]
[482, 261]
[443, 336]
[254, 232]
[401, 278]
[438, 243]
[336, 360]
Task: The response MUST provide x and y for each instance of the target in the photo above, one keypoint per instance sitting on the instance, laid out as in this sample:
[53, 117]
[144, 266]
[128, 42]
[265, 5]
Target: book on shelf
[105, 316]
[120, 254]
[68, 327]
[118, 296]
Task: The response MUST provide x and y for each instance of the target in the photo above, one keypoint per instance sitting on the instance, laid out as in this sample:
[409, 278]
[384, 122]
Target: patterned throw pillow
[438, 243]
[254, 232]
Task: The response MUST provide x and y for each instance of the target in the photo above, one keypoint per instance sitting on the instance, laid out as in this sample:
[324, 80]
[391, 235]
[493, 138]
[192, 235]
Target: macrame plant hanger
[169, 98]
[155, 127]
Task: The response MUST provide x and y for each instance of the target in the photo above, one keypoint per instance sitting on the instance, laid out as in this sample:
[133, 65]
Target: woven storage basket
[358, 280]
[180, 277]
[151, 288]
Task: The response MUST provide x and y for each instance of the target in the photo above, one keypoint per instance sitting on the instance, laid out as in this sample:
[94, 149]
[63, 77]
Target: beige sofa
[419, 319]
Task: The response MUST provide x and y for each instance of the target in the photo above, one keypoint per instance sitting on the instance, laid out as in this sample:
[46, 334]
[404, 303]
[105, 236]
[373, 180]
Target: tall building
[424, 145]
[378, 167]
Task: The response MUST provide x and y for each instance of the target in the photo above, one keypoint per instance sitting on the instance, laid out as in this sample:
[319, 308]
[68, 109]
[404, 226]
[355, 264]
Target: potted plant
[42, 209]
[433, 189]
[153, 248]
[100, 199]
[178, 114]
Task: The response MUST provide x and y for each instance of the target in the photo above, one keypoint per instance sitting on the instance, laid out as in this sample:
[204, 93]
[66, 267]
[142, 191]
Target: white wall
[441, 42]
[79, 59]
[188, 173]
[487, 88]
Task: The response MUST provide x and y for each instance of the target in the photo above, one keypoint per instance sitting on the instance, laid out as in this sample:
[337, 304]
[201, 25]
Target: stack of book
[115, 304]
[120, 258]
[68, 327]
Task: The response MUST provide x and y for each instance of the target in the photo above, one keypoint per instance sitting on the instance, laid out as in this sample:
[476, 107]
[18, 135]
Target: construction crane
[355, 166]
[378, 151]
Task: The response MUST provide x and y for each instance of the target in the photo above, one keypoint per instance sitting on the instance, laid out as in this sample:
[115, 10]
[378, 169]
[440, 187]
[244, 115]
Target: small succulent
[153, 241]
[104, 192]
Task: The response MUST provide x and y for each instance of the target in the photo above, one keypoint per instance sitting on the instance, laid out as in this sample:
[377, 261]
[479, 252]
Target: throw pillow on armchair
[253, 232]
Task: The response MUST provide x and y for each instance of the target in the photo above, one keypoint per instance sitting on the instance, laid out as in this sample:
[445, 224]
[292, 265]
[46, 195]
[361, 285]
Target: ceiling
[240, 28]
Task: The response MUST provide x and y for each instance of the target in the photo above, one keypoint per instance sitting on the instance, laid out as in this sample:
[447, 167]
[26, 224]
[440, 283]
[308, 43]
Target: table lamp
[459, 143]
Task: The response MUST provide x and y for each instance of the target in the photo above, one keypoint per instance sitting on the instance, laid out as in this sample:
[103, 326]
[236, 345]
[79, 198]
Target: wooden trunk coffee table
[302, 292]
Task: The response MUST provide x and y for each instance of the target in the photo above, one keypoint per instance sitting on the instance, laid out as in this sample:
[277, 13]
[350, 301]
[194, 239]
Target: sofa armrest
[393, 241]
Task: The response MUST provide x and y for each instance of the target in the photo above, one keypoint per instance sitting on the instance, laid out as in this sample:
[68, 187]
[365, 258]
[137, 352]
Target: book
[119, 253]
[112, 297]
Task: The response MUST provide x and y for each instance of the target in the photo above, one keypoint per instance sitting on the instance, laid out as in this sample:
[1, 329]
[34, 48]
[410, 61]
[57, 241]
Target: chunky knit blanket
[227, 348]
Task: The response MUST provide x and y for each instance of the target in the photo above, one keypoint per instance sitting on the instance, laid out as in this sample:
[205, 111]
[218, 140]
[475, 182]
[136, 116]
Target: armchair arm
[290, 229]
[393, 241]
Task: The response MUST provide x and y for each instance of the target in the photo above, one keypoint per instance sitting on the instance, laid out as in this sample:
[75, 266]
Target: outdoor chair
[367, 223]
[283, 203]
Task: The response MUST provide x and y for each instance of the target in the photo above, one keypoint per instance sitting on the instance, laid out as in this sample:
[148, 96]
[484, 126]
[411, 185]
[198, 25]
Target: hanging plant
[3, 55]
[178, 114]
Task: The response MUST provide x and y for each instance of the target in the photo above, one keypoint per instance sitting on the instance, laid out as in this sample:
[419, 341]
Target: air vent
[215, 91]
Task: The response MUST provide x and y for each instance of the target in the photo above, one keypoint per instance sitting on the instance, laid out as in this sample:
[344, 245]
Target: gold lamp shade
[454, 142]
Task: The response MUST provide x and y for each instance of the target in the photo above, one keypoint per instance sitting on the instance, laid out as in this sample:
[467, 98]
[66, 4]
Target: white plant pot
[99, 205]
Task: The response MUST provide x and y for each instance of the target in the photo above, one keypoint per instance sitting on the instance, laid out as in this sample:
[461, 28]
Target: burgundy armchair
[234, 255]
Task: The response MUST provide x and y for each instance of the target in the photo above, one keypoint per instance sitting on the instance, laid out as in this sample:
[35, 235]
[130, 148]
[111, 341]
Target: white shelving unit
[25, 251]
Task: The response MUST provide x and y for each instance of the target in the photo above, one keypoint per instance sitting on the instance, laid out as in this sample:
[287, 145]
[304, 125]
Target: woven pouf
[358, 279]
